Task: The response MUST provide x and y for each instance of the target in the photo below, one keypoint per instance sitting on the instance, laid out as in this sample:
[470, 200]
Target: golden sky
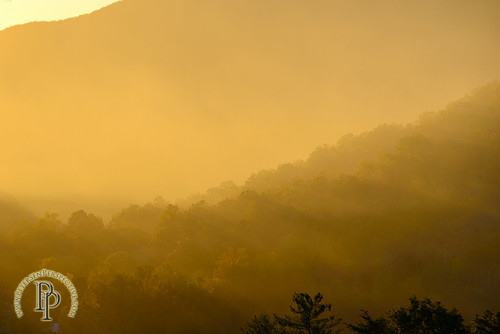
[14, 12]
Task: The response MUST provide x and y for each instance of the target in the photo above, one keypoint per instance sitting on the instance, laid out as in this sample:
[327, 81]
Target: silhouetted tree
[262, 324]
[427, 317]
[370, 326]
[487, 323]
[306, 316]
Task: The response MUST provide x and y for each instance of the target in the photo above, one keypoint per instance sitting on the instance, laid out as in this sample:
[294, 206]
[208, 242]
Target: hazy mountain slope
[191, 93]
[468, 126]
[422, 218]
[419, 215]
[12, 213]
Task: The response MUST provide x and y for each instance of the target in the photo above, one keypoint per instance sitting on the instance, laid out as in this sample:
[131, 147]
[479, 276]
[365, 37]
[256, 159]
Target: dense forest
[398, 211]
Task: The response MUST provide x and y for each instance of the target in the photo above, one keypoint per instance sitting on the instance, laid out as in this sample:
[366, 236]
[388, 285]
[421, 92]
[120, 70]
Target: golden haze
[147, 98]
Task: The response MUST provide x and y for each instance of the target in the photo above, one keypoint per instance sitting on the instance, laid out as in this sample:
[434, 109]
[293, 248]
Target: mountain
[377, 217]
[166, 97]
[465, 126]
[12, 214]
[416, 212]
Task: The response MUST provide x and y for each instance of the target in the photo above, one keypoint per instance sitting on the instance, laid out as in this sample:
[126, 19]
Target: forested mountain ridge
[166, 86]
[370, 221]
[464, 128]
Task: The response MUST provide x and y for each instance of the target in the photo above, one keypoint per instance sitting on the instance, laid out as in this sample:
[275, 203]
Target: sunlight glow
[13, 12]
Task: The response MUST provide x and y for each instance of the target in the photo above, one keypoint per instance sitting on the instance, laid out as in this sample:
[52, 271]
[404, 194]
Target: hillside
[466, 126]
[414, 211]
[128, 102]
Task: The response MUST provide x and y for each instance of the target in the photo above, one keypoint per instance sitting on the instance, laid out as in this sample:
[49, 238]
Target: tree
[306, 316]
[427, 317]
[82, 224]
[488, 323]
[370, 326]
[262, 324]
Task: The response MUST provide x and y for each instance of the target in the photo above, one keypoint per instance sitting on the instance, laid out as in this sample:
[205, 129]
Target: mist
[398, 212]
[169, 98]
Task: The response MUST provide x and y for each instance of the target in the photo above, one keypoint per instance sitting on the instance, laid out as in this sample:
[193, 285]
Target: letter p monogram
[43, 298]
